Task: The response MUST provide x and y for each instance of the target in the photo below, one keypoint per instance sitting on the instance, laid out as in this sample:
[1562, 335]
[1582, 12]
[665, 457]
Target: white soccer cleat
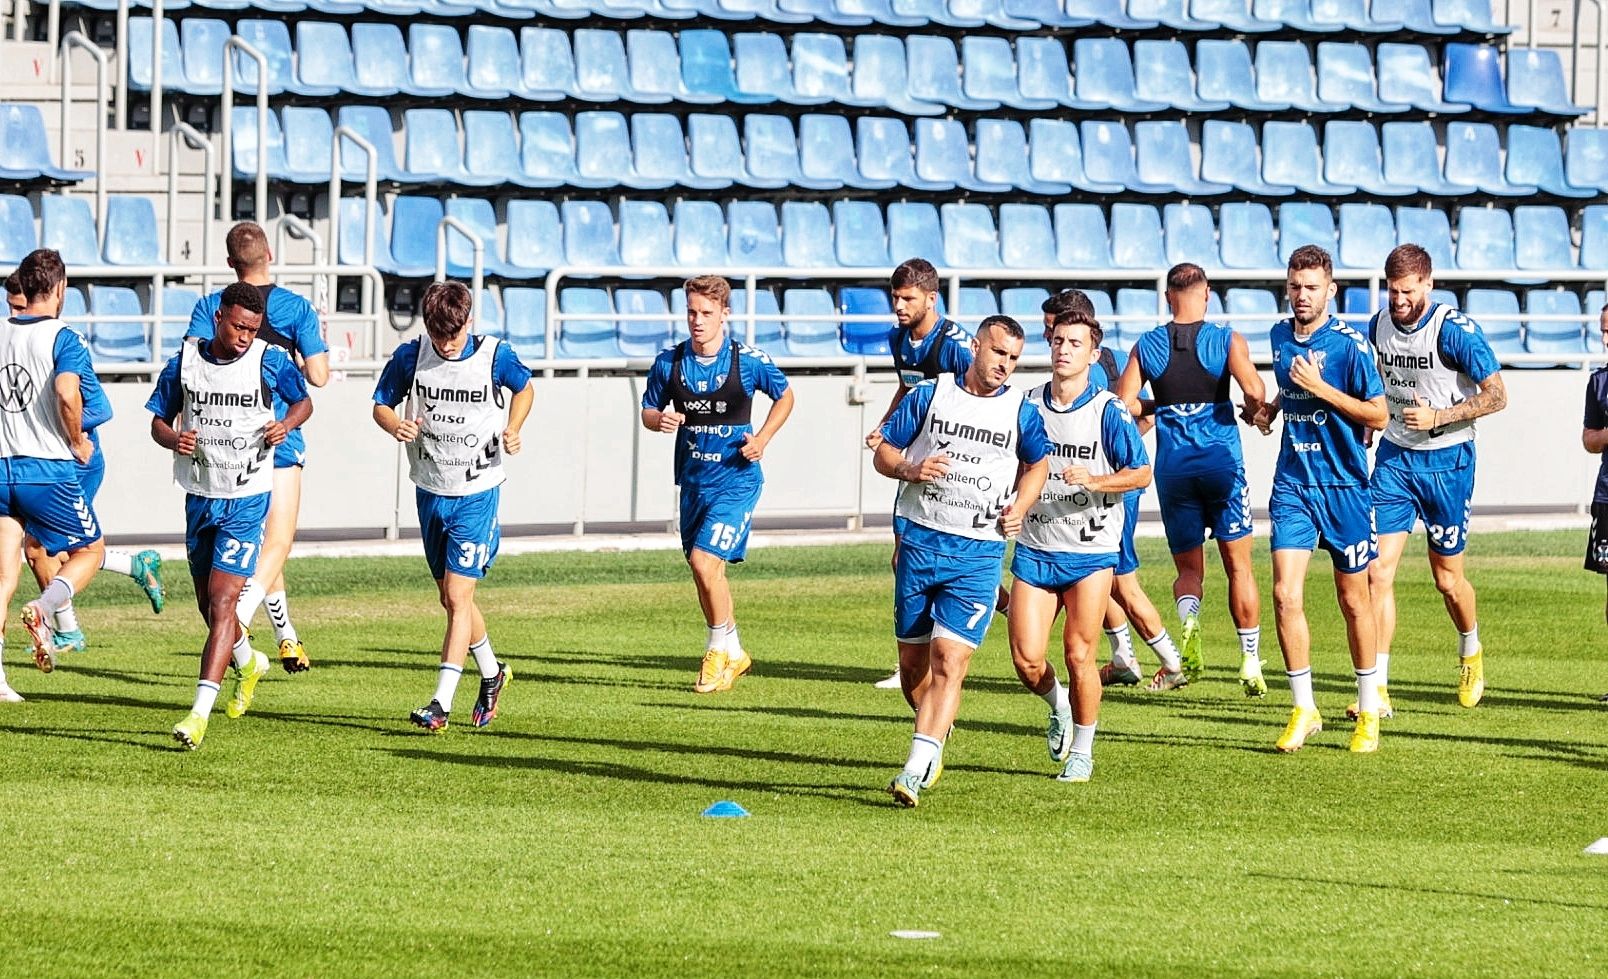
[889, 682]
[8, 695]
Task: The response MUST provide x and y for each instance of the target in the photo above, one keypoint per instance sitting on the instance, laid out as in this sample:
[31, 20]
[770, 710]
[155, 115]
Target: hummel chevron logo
[485, 460]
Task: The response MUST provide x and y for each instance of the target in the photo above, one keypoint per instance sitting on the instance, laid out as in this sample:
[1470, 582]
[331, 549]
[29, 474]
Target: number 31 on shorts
[472, 555]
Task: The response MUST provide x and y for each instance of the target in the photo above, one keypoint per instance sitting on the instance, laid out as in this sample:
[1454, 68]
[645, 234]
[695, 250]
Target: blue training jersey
[1192, 439]
[1321, 447]
[710, 457]
[1463, 348]
[946, 349]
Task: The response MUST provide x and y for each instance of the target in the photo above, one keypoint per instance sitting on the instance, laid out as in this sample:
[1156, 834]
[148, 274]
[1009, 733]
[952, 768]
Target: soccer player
[1439, 376]
[971, 457]
[1594, 437]
[42, 443]
[1068, 545]
[291, 325]
[459, 424]
[924, 345]
[710, 379]
[1200, 472]
[1128, 599]
[214, 408]
[1330, 395]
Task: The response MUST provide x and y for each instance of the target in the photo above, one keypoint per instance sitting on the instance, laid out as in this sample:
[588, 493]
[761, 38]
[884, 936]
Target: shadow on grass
[147, 740]
[72, 667]
[1398, 887]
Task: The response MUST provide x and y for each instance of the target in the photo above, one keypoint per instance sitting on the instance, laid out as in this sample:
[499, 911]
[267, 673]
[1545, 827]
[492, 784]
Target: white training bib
[227, 406]
[1411, 366]
[1068, 517]
[979, 435]
[30, 424]
[459, 448]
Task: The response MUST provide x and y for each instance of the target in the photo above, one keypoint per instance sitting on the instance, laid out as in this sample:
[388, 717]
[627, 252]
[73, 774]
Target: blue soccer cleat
[432, 717]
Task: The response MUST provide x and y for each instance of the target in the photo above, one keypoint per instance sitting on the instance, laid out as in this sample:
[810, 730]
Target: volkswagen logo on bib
[16, 388]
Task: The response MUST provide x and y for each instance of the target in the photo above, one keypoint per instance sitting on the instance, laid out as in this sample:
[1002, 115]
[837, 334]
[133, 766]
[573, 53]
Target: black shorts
[1597, 542]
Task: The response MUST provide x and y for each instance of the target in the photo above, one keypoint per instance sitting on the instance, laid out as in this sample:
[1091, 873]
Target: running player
[970, 455]
[1068, 546]
[292, 325]
[1439, 376]
[1594, 437]
[1200, 472]
[1331, 396]
[459, 424]
[711, 379]
[924, 345]
[213, 408]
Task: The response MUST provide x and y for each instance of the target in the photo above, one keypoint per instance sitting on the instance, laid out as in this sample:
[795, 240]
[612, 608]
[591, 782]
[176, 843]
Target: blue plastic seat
[1247, 237]
[969, 237]
[935, 12]
[547, 152]
[943, 156]
[481, 217]
[1295, 15]
[807, 235]
[811, 337]
[1108, 13]
[1412, 158]
[201, 46]
[1474, 157]
[1026, 237]
[74, 307]
[768, 328]
[1594, 240]
[935, 73]
[865, 338]
[706, 68]
[139, 55]
[989, 74]
[1473, 16]
[1043, 72]
[1260, 304]
[1232, 15]
[762, 69]
[131, 232]
[826, 11]
[431, 154]
[601, 71]
[25, 154]
[1191, 235]
[547, 63]
[1050, 13]
[1003, 158]
[1223, 74]
[1352, 158]
[1541, 238]
[994, 12]
[1586, 158]
[1108, 157]
[880, 77]
[1231, 154]
[493, 67]
[535, 238]
[1430, 229]
[821, 70]
[272, 38]
[700, 233]
[177, 305]
[826, 154]
[1497, 313]
[589, 237]
[654, 62]
[1139, 312]
[1136, 237]
[643, 338]
[490, 149]
[1406, 75]
[752, 235]
[350, 249]
[1162, 73]
[323, 60]
[117, 340]
[1535, 81]
[378, 54]
[1104, 72]
[1164, 158]
[603, 151]
[591, 337]
[67, 225]
[1304, 223]
[435, 62]
[1081, 238]
[772, 158]
[17, 236]
[1367, 234]
[1474, 76]
[1346, 78]
[661, 152]
[1352, 15]
[1484, 239]
[1548, 336]
[1025, 305]
[1055, 156]
[373, 123]
[1535, 158]
[861, 239]
[883, 148]
[488, 315]
[645, 234]
[243, 144]
[1290, 156]
[1284, 76]
[1173, 13]
[413, 235]
[914, 230]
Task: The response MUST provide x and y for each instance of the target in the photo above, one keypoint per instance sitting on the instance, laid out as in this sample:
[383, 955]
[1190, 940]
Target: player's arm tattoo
[1491, 398]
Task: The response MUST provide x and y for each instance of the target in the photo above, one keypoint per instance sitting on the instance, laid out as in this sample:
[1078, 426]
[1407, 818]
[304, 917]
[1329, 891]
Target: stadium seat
[717, 154]
[17, 236]
[860, 236]
[654, 61]
[969, 237]
[493, 69]
[1162, 73]
[490, 150]
[1284, 77]
[588, 233]
[1230, 154]
[935, 12]
[1108, 13]
[645, 234]
[601, 71]
[812, 337]
[1351, 157]
[880, 77]
[865, 338]
[1417, 17]
[1247, 237]
[1536, 81]
[935, 74]
[177, 305]
[431, 154]
[1474, 157]
[1367, 234]
[350, 251]
[243, 144]
[994, 12]
[25, 155]
[1586, 158]
[117, 340]
[1136, 237]
[1003, 159]
[1346, 78]
[1026, 237]
[413, 234]
[1541, 238]
[826, 154]
[1351, 15]
[1049, 13]
[435, 62]
[1191, 235]
[700, 233]
[547, 152]
[1172, 13]
[852, 13]
[753, 237]
[773, 156]
[989, 75]
[1535, 157]
[1474, 76]
[1055, 156]
[272, 39]
[1484, 239]
[131, 232]
[590, 337]
[821, 70]
[1164, 159]
[603, 152]
[1081, 239]
[1412, 158]
[1223, 74]
[1594, 240]
[1108, 157]
[1043, 72]
[768, 329]
[373, 123]
[1258, 303]
[943, 156]
[1406, 75]
[308, 135]
[1025, 305]
[1497, 313]
[1293, 15]
[1232, 15]
[762, 69]
[67, 225]
[1430, 229]
[547, 64]
[807, 235]
[1548, 336]
[644, 338]
[1290, 156]
[379, 60]
[201, 46]
[882, 145]
[1473, 16]
[914, 229]
[1140, 313]
[1104, 75]
[535, 240]
[139, 54]
[1304, 223]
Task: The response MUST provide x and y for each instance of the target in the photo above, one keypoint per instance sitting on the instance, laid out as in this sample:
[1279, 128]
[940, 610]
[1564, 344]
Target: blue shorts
[1127, 556]
[461, 533]
[931, 588]
[1443, 499]
[224, 535]
[717, 521]
[58, 515]
[292, 452]
[91, 474]
[1056, 571]
[1191, 505]
[1340, 518]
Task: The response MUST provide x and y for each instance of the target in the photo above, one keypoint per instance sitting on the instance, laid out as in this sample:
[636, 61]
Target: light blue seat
[1357, 305]
[1346, 78]
[826, 154]
[1412, 158]
[717, 154]
[752, 235]
[1484, 239]
[1367, 234]
[25, 155]
[1295, 15]
[594, 336]
[1469, 15]
[488, 315]
[67, 225]
[1108, 157]
[1233, 15]
[1247, 236]
[1025, 305]
[768, 328]
[435, 62]
[431, 154]
[654, 62]
[202, 49]
[1104, 72]
[1290, 156]
[706, 68]
[272, 38]
[811, 337]
[177, 305]
[1304, 223]
[1231, 154]
[969, 237]
[139, 55]
[493, 67]
[117, 340]
[826, 11]
[1081, 238]
[700, 233]
[645, 234]
[994, 12]
[1164, 158]
[1352, 158]
[660, 154]
[1108, 13]
[935, 73]
[1050, 13]
[1407, 75]
[914, 230]
[1352, 15]
[880, 77]
[865, 338]
[373, 123]
[243, 144]
[1173, 13]
[131, 232]
[943, 156]
[490, 149]
[1541, 238]
[934, 12]
[1140, 314]
[1430, 229]
[977, 302]
[17, 235]
[379, 60]
[1003, 158]
[547, 63]
[1497, 313]
[1594, 241]
[807, 235]
[1474, 157]
[603, 151]
[323, 59]
[1191, 235]
[1547, 336]
[1535, 158]
[989, 74]
[1284, 76]
[883, 148]
[1223, 74]
[1260, 304]
[861, 239]
[588, 233]
[352, 210]
[821, 70]
[1585, 161]
[1055, 156]
[601, 71]
[547, 152]
[1162, 73]
[1044, 74]
[535, 239]
[481, 217]
[414, 221]
[1474, 76]
[773, 156]
[643, 338]
[762, 69]
[1535, 81]
[1026, 237]
[74, 307]
[1136, 237]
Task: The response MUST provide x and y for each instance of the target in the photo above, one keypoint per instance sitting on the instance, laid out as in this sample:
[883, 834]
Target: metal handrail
[76, 39]
[18, 11]
[189, 134]
[477, 279]
[1574, 64]
[52, 23]
[291, 226]
[120, 43]
[260, 199]
[158, 18]
[370, 204]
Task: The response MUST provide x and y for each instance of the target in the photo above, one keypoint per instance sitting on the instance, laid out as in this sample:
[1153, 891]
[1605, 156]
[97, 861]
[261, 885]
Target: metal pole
[478, 278]
[260, 199]
[370, 199]
[122, 61]
[75, 39]
[192, 136]
[158, 18]
[751, 283]
[53, 24]
[294, 227]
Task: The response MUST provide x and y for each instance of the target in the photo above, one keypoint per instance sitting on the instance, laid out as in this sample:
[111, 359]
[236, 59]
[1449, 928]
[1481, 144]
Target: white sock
[251, 597]
[1468, 643]
[206, 694]
[67, 618]
[118, 562]
[732, 645]
[924, 753]
[1083, 739]
[1382, 665]
[279, 615]
[1188, 605]
[447, 685]
[1368, 691]
[1250, 642]
[1121, 644]
[242, 651]
[1166, 651]
[2, 661]
[485, 659]
[1301, 688]
[1057, 698]
[724, 637]
[56, 594]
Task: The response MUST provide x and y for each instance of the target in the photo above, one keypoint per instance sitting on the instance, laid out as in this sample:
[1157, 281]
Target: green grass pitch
[322, 836]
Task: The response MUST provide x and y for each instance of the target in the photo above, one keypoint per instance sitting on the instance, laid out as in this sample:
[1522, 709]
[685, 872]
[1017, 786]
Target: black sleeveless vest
[728, 405]
[928, 365]
[1185, 381]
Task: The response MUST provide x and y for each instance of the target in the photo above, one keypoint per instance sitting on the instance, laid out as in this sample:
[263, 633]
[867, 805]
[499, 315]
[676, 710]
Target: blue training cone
[725, 810]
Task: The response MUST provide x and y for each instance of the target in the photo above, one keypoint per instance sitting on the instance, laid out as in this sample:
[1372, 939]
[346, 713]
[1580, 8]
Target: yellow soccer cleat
[293, 656]
[720, 670]
[245, 684]
[189, 732]
[1304, 722]
[1471, 679]
[1385, 710]
[1366, 736]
